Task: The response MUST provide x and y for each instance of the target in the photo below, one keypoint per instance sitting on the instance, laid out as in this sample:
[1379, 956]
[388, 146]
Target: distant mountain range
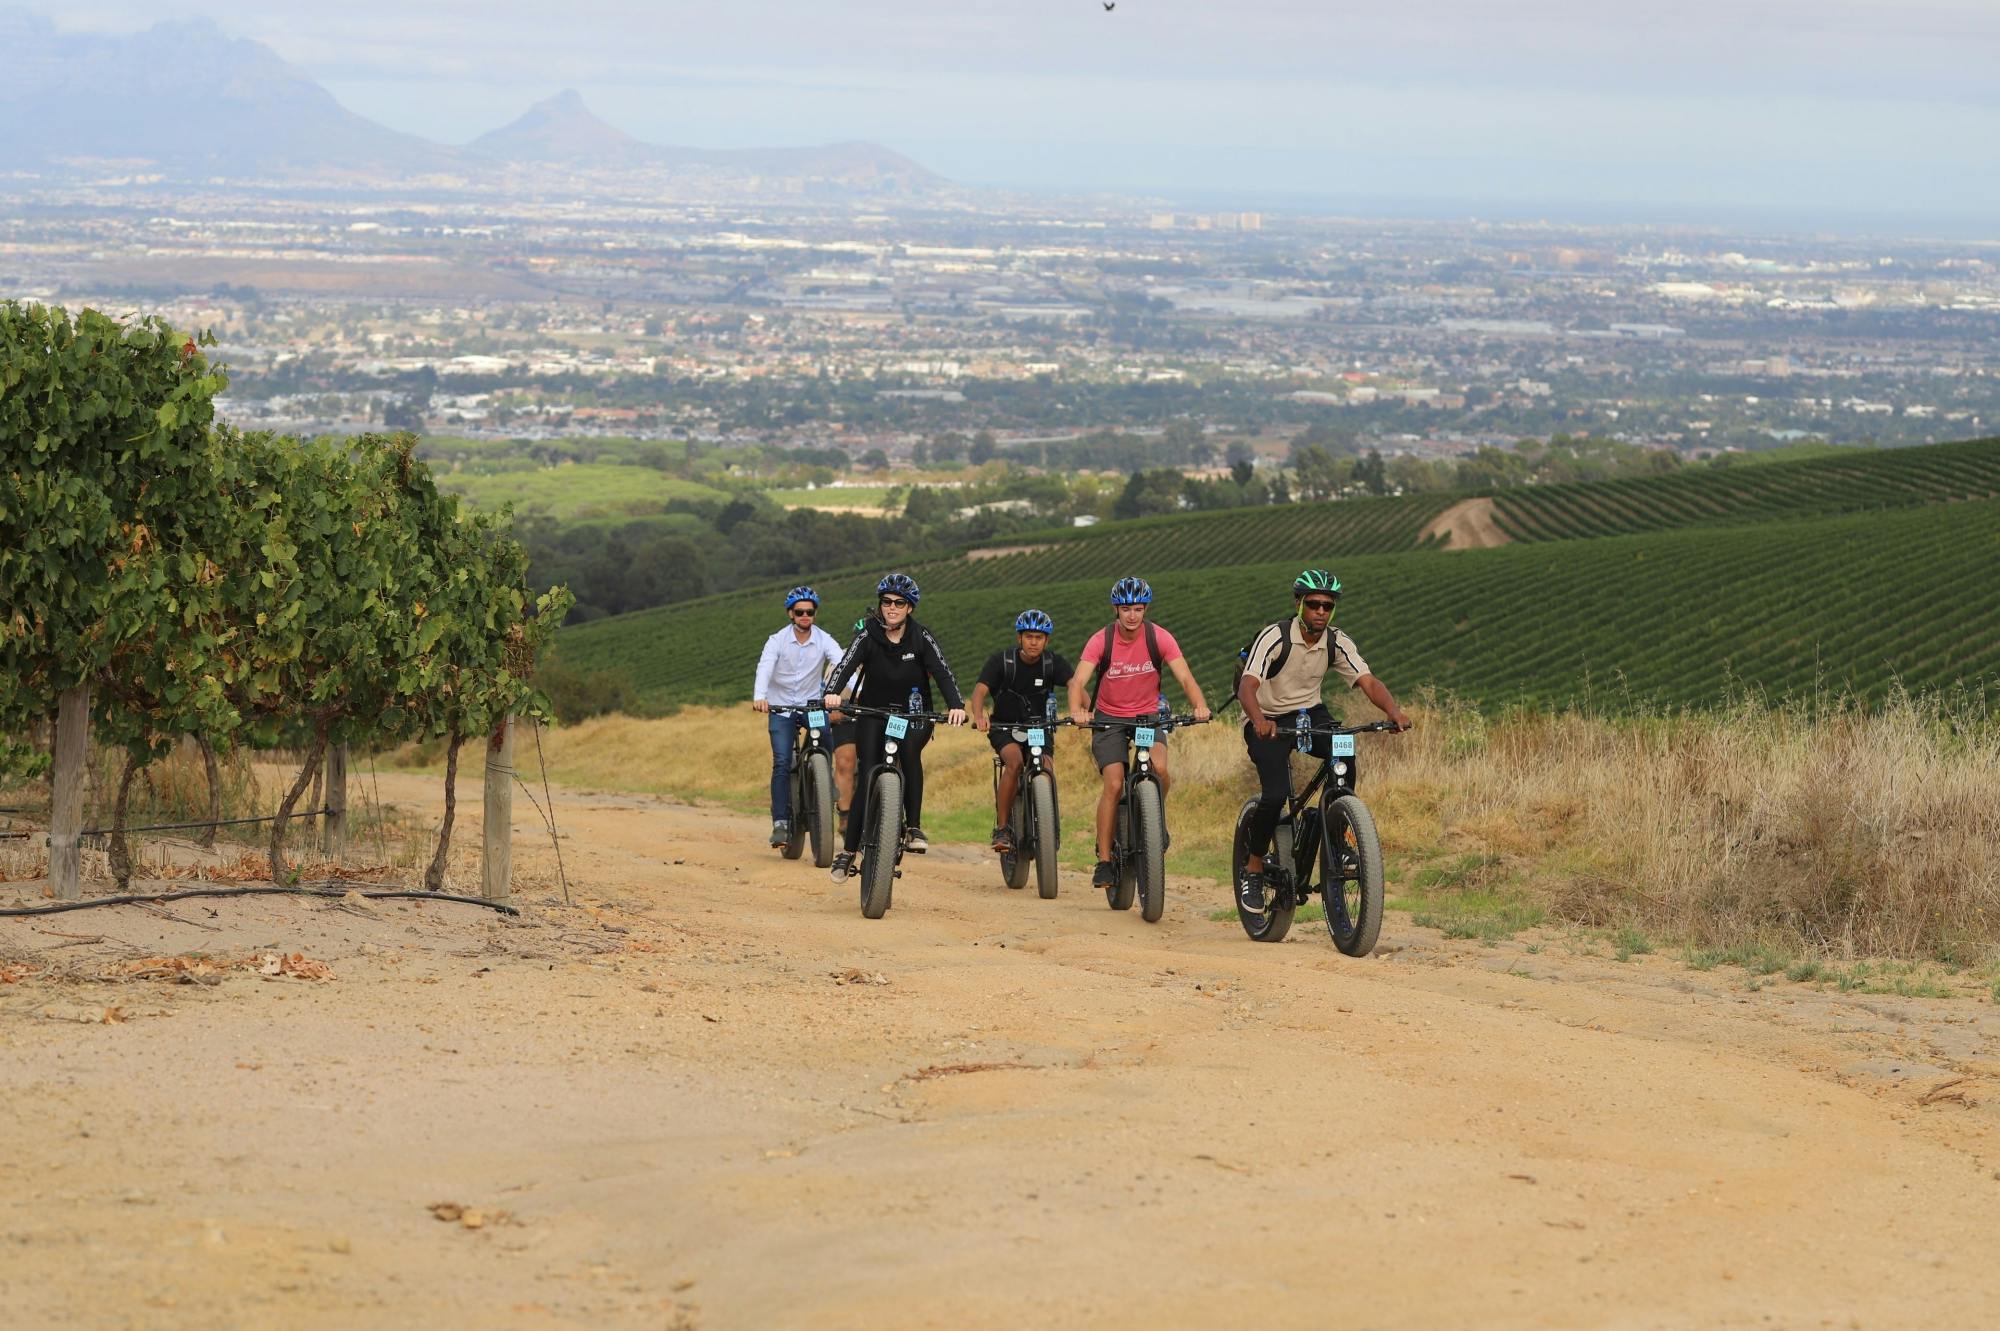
[184, 99]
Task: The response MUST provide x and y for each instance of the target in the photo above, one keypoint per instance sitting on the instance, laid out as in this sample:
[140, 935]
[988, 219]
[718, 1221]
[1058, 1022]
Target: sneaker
[1003, 840]
[843, 864]
[915, 841]
[1105, 875]
[1250, 892]
[781, 832]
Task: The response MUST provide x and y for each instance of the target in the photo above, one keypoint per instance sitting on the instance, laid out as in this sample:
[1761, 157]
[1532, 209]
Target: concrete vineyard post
[497, 856]
[333, 837]
[66, 812]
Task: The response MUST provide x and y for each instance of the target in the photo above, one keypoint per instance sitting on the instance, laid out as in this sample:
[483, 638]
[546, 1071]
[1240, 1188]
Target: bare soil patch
[1000, 551]
[709, 1094]
[1469, 524]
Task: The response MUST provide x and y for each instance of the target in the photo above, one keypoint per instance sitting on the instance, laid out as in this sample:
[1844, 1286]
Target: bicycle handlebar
[1338, 730]
[863, 709]
[1139, 722]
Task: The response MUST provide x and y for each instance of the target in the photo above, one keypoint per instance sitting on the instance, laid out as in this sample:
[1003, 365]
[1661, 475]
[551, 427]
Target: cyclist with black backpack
[1282, 673]
[1129, 654]
[1022, 681]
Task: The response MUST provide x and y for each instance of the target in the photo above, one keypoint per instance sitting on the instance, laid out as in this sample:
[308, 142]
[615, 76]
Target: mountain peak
[560, 129]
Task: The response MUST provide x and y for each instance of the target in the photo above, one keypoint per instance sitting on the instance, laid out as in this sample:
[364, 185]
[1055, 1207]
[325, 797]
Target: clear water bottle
[916, 701]
[1304, 727]
[1049, 708]
[1164, 709]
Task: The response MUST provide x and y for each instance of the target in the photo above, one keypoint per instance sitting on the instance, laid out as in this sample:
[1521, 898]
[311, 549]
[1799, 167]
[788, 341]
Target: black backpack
[1109, 633]
[1271, 667]
[1010, 665]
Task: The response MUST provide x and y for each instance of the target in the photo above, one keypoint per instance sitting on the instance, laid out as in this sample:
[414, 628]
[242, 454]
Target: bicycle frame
[1337, 772]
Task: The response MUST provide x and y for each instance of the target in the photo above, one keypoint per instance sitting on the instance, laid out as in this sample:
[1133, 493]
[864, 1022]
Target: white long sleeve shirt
[789, 671]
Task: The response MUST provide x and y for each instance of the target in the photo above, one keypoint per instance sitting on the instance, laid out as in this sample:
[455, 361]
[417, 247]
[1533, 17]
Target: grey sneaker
[843, 864]
[781, 832]
[915, 841]
[1250, 892]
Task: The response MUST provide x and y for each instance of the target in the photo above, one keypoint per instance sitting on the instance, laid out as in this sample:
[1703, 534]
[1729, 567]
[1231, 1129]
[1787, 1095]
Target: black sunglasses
[803, 612]
[895, 600]
[1319, 605]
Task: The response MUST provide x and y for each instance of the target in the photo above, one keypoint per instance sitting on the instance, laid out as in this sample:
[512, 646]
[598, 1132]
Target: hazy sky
[1690, 106]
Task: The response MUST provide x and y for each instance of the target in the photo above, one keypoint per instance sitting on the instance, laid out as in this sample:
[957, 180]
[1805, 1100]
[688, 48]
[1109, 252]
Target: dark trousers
[1273, 761]
[868, 737]
[784, 733]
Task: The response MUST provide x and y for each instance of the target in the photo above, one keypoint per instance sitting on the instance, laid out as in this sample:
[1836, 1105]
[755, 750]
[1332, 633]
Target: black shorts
[1113, 746]
[839, 735]
[1003, 735]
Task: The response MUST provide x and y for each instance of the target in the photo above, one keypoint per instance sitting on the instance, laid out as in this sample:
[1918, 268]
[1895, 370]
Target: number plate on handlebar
[899, 726]
[817, 720]
[1343, 746]
[1143, 737]
[1037, 738]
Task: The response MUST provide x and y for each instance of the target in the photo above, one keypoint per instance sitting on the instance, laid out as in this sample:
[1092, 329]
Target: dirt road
[711, 1095]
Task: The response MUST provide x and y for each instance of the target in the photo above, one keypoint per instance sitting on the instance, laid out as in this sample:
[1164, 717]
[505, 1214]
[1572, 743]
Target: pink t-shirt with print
[1131, 686]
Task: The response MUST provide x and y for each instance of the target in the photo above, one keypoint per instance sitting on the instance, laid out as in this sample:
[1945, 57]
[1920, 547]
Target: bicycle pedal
[896, 873]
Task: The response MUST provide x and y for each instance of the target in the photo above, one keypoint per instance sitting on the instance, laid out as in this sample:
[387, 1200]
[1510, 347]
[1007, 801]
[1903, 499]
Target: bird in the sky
[1110, 5]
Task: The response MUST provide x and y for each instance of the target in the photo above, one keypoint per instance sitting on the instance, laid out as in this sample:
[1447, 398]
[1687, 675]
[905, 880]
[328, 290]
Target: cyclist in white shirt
[795, 659]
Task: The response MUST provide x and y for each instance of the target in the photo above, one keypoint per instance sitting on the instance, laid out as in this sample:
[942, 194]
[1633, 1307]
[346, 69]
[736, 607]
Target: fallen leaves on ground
[210, 970]
[14, 974]
[468, 1217]
[855, 975]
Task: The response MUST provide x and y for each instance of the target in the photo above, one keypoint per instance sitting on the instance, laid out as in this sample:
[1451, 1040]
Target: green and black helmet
[1316, 580]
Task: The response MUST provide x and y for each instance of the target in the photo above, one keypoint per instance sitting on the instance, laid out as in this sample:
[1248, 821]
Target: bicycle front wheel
[1351, 870]
[1150, 841]
[819, 808]
[884, 834]
[1042, 801]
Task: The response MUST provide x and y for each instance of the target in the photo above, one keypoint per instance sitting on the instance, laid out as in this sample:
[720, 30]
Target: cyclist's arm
[940, 672]
[1078, 684]
[845, 670]
[1378, 693]
[977, 707]
[766, 663]
[1179, 666]
[1246, 694]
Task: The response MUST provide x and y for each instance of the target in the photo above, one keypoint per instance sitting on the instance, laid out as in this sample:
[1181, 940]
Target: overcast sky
[1687, 106]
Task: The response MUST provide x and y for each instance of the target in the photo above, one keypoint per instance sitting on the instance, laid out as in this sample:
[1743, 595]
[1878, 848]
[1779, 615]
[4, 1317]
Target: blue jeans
[784, 734]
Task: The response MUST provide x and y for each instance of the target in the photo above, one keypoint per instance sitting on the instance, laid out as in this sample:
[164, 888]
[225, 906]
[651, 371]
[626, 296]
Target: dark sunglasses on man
[803, 612]
[895, 601]
[1319, 605]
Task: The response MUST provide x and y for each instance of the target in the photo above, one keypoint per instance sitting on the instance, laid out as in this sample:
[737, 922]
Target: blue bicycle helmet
[1131, 591]
[899, 584]
[1034, 621]
[797, 594]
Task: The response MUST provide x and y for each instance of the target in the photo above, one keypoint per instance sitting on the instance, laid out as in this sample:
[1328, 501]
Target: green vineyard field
[1855, 482]
[1301, 532]
[1856, 604]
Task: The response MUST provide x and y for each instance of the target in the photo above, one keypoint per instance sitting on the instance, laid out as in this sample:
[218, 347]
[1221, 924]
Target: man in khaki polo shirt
[1278, 683]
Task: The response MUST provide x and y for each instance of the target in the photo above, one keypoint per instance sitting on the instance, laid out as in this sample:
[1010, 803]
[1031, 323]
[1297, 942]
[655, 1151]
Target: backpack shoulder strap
[1153, 646]
[1008, 666]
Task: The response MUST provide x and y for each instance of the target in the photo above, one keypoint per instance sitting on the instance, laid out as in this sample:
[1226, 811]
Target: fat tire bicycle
[1336, 835]
[1034, 823]
[882, 848]
[1139, 835]
[812, 786]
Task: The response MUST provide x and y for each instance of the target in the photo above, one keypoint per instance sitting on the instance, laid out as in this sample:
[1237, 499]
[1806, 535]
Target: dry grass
[1841, 833]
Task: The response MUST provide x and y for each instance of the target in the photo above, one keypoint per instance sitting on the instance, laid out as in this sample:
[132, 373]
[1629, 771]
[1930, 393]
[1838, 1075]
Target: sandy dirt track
[711, 1095]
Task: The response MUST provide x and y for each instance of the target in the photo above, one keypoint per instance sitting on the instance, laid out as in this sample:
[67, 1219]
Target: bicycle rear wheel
[1275, 921]
[879, 843]
[1014, 864]
[1351, 869]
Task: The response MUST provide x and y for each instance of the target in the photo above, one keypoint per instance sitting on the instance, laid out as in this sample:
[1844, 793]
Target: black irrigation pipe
[331, 892]
[220, 822]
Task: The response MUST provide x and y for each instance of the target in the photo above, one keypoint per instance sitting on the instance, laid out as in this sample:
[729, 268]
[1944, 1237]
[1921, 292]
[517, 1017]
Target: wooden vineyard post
[497, 855]
[333, 837]
[66, 810]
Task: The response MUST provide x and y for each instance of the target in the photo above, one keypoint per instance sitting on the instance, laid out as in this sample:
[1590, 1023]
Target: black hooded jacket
[891, 669]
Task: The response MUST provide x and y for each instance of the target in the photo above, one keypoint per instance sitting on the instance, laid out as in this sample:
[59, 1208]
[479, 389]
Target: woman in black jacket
[895, 655]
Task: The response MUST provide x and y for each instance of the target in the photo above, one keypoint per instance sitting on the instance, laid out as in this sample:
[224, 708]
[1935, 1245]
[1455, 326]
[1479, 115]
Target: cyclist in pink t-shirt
[1131, 689]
